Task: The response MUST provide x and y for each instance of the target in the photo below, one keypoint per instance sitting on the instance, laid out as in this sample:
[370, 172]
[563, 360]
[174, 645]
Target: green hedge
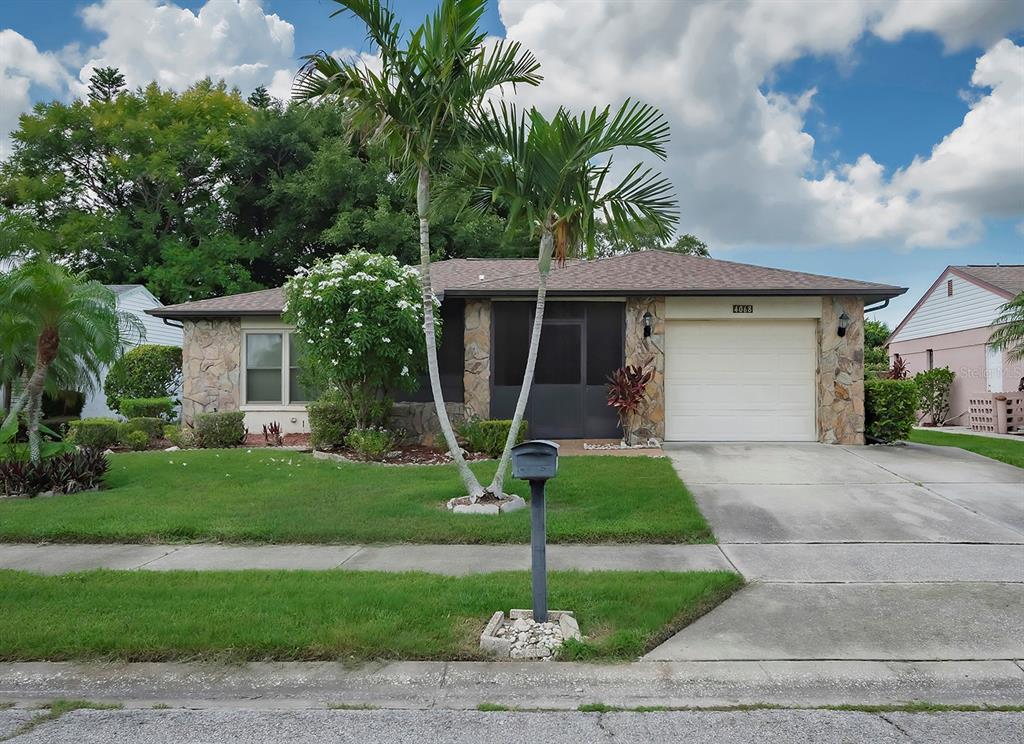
[933, 388]
[330, 420]
[489, 435]
[135, 440]
[220, 429]
[147, 371]
[890, 408]
[150, 426]
[161, 408]
[94, 432]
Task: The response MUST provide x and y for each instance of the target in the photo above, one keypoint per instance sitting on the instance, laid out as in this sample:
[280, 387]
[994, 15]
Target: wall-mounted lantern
[844, 323]
[648, 324]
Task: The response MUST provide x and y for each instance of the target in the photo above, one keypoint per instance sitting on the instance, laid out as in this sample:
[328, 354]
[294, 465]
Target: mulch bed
[409, 454]
[290, 440]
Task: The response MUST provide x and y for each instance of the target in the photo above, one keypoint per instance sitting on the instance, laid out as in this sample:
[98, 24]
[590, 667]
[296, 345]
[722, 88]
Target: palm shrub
[1009, 328]
[554, 177]
[933, 388]
[148, 371]
[415, 101]
[890, 408]
[62, 330]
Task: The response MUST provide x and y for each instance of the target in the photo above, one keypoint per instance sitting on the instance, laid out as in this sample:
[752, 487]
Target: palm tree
[1009, 335]
[552, 176]
[417, 104]
[58, 328]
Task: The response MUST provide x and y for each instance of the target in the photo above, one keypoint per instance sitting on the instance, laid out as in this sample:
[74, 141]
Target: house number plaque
[743, 309]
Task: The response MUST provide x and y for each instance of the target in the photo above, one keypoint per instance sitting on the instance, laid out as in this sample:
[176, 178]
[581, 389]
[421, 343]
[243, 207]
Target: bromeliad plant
[360, 320]
[627, 393]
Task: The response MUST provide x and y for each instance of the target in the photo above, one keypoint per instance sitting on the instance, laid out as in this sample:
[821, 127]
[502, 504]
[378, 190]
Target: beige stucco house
[741, 352]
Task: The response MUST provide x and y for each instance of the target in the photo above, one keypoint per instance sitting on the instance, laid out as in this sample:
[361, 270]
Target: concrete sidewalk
[763, 562]
[561, 686]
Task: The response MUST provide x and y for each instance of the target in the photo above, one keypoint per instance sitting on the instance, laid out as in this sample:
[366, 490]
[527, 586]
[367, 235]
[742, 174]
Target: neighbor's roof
[121, 288]
[642, 273]
[1009, 278]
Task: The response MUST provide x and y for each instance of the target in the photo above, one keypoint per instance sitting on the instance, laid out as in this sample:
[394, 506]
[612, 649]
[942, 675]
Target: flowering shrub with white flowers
[360, 318]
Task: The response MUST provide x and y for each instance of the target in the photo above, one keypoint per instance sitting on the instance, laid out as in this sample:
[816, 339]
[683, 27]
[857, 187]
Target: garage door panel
[740, 380]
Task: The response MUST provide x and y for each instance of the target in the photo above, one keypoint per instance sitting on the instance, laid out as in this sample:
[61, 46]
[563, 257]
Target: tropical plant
[371, 443]
[272, 435]
[1009, 333]
[554, 176]
[359, 319]
[933, 388]
[62, 328]
[899, 369]
[415, 100]
[66, 472]
[627, 393]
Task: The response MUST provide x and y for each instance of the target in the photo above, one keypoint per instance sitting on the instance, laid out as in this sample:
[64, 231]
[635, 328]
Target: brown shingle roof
[1009, 278]
[646, 273]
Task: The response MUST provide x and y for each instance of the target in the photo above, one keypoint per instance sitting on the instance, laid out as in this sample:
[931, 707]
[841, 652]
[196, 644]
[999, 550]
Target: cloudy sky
[879, 140]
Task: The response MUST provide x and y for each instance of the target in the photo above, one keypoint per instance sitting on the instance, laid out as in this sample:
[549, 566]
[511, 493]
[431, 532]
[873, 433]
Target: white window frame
[286, 403]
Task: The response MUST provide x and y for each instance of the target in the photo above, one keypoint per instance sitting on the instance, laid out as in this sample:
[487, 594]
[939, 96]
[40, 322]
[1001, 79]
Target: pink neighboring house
[950, 327]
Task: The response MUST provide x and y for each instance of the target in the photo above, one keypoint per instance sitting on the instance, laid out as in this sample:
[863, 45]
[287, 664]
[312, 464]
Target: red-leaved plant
[899, 370]
[272, 434]
[627, 392]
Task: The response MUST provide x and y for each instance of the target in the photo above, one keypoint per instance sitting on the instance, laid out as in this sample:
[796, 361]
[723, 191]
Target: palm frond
[1009, 333]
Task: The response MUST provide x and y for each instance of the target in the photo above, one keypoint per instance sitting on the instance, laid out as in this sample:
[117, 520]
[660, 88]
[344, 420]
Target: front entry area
[581, 344]
[733, 380]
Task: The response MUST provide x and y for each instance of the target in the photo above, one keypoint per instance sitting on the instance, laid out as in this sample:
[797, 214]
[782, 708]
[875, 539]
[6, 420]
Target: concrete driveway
[876, 553]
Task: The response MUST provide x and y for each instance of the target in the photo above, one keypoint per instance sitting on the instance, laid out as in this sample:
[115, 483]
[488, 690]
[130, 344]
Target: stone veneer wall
[841, 372]
[418, 421]
[477, 377]
[211, 356]
[651, 421]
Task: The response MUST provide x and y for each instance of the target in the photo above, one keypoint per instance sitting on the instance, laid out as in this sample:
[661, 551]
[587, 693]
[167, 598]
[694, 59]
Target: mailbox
[536, 460]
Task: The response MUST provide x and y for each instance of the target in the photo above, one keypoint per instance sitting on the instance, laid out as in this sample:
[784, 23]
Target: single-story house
[950, 326]
[135, 300]
[741, 352]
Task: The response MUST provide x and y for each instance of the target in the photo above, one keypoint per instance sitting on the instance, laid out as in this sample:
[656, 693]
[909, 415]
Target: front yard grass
[1005, 450]
[277, 496]
[330, 615]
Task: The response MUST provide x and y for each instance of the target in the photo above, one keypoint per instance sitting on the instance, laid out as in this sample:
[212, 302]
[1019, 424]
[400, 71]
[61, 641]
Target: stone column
[841, 372]
[477, 342]
[651, 421]
[211, 366]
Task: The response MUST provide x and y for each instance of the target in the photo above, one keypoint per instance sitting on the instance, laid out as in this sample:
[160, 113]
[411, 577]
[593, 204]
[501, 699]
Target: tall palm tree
[553, 176]
[1009, 335]
[416, 102]
[60, 328]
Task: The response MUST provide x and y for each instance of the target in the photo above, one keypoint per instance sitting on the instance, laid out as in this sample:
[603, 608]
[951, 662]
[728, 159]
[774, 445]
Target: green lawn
[1005, 450]
[277, 496]
[330, 615]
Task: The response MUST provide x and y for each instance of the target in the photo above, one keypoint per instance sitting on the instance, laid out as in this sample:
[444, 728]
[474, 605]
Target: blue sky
[892, 98]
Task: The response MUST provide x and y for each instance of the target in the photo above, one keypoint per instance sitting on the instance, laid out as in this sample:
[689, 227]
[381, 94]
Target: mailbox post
[536, 461]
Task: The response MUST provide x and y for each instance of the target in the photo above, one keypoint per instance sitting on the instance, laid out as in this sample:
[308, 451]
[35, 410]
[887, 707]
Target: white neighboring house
[134, 299]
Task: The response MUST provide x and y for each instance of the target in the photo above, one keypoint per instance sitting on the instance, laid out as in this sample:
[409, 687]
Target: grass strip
[1004, 450]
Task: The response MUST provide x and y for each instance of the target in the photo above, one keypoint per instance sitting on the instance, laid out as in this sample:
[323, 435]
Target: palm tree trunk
[473, 487]
[544, 267]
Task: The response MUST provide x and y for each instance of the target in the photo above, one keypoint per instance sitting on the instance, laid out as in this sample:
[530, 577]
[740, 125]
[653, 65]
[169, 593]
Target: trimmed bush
[220, 429]
[489, 435]
[94, 432]
[933, 389]
[179, 436]
[161, 408]
[147, 371]
[151, 427]
[64, 473]
[890, 408]
[372, 443]
[136, 440]
[330, 420]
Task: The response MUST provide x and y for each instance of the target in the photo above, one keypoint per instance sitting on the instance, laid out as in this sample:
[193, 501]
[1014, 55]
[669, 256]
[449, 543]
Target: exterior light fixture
[844, 323]
[649, 324]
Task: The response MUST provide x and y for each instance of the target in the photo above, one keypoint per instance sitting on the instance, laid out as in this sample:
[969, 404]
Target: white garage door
[740, 380]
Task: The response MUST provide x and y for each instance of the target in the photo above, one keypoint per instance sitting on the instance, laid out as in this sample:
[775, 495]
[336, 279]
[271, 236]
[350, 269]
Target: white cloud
[743, 164]
[960, 23]
[21, 67]
[233, 40]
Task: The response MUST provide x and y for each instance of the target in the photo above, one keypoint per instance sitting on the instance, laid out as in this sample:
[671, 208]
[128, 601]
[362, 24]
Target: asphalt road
[455, 727]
